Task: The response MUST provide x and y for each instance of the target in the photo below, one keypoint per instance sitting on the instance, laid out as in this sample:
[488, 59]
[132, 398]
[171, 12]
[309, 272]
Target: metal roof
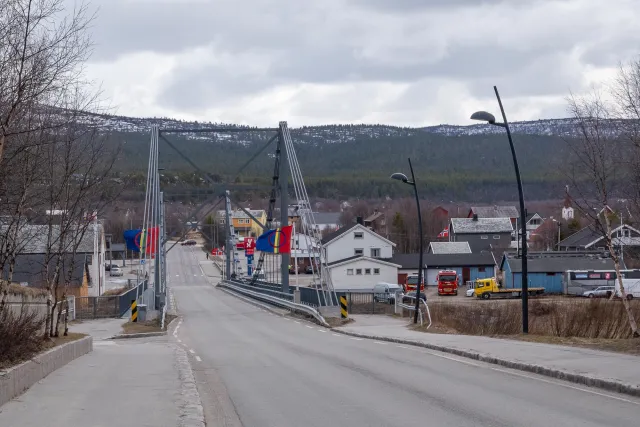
[335, 234]
[31, 268]
[590, 234]
[33, 238]
[559, 264]
[495, 211]
[449, 248]
[481, 225]
[326, 218]
[407, 261]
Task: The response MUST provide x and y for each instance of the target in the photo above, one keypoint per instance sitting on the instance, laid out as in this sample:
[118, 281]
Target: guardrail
[241, 288]
[412, 307]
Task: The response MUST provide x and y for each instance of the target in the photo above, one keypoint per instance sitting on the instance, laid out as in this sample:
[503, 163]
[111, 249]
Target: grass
[599, 323]
[147, 326]
[43, 345]
[115, 291]
[26, 291]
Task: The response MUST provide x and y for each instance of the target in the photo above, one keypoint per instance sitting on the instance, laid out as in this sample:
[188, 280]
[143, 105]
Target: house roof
[339, 232]
[410, 261]
[373, 216]
[33, 238]
[481, 225]
[362, 258]
[326, 217]
[589, 235]
[558, 263]
[449, 248]
[531, 215]
[495, 211]
[31, 268]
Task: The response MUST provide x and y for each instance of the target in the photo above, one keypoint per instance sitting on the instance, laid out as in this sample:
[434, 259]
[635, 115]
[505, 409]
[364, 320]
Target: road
[254, 368]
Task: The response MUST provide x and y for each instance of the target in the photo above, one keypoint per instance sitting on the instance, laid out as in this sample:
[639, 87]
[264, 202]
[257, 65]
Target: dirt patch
[334, 322]
[147, 326]
[116, 291]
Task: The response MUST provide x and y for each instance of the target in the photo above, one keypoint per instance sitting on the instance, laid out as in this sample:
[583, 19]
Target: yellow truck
[489, 288]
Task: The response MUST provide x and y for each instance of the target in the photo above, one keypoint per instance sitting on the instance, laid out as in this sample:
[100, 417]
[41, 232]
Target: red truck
[411, 282]
[447, 282]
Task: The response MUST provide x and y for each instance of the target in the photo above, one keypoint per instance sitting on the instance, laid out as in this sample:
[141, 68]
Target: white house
[358, 258]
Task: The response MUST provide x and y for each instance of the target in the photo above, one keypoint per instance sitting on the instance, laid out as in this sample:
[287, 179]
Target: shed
[468, 266]
[548, 269]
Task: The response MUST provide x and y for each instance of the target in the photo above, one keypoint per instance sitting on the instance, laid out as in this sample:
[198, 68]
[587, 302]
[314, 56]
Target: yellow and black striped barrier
[343, 307]
[134, 311]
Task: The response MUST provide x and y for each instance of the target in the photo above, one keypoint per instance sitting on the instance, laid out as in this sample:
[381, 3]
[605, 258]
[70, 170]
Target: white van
[631, 288]
[386, 292]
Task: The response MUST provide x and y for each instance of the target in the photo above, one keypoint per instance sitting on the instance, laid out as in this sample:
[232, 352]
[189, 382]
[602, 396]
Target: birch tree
[597, 173]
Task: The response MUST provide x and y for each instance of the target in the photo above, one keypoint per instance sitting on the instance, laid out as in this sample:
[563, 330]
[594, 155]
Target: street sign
[142, 261]
[249, 245]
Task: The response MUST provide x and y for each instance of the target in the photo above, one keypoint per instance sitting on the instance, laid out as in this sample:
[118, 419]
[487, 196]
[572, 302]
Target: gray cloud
[529, 49]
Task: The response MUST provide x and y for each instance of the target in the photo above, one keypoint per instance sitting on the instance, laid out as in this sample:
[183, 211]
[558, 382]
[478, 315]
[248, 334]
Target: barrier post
[134, 311]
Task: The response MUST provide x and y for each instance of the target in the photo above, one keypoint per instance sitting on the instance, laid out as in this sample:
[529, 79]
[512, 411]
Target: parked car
[309, 269]
[108, 267]
[471, 292]
[600, 292]
[386, 292]
[410, 297]
[115, 271]
[189, 242]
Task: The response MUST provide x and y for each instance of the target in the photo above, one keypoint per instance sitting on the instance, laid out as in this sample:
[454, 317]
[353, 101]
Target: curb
[18, 379]
[604, 384]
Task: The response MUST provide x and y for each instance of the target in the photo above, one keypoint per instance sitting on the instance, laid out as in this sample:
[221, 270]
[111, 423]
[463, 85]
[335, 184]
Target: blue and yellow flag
[276, 241]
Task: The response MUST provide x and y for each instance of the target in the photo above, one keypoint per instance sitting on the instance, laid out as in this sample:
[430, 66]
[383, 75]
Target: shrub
[20, 335]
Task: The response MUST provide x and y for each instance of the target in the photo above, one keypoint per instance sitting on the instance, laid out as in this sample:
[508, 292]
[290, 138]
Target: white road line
[356, 339]
[192, 351]
[336, 335]
[179, 340]
[380, 342]
[297, 322]
[198, 359]
[321, 330]
[310, 327]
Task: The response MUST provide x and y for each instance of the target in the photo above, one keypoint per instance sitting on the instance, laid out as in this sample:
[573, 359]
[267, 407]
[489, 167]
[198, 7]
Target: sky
[311, 62]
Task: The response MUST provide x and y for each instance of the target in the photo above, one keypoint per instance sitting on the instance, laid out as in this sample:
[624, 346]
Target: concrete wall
[17, 302]
[18, 379]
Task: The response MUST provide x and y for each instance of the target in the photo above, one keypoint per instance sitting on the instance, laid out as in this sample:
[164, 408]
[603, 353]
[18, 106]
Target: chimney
[359, 220]
[475, 217]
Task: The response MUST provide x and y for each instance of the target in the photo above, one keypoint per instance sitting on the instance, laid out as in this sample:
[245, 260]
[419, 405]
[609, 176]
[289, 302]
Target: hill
[451, 162]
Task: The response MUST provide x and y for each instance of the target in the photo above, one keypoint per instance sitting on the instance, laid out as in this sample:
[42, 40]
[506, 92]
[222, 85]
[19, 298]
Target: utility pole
[284, 204]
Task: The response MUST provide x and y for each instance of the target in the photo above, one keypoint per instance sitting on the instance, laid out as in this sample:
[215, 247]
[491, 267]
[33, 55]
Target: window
[484, 237]
[481, 269]
[349, 271]
[358, 235]
[376, 271]
[367, 271]
[358, 251]
[358, 271]
[496, 237]
[375, 252]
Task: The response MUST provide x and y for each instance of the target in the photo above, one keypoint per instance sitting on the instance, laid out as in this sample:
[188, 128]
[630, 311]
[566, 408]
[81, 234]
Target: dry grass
[115, 291]
[593, 319]
[148, 326]
[337, 321]
[26, 291]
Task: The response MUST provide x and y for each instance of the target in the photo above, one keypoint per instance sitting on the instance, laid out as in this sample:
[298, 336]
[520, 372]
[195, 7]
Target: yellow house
[245, 226]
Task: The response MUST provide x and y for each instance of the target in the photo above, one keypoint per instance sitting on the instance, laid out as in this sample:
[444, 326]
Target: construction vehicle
[447, 282]
[490, 288]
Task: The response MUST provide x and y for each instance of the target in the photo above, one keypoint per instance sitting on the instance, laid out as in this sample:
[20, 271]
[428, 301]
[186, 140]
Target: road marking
[198, 359]
[191, 351]
[179, 340]
[356, 339]
[297, 322]
[336, 335]
[321, 330]
[380, 342]
[310, 327]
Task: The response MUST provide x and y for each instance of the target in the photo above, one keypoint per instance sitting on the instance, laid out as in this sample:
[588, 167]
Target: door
[466, 275]
[432, 274]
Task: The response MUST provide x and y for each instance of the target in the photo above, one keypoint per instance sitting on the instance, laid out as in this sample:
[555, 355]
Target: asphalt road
[254, 368]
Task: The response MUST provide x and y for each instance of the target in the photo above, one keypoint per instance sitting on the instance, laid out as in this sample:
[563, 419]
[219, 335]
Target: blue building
[547, 269]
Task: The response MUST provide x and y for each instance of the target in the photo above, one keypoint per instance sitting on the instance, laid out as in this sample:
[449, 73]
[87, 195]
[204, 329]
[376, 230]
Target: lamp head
[483, 116]
[400, 177]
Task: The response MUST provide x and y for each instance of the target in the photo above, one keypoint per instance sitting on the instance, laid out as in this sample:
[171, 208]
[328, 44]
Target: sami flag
[276, 241]
[137, 239]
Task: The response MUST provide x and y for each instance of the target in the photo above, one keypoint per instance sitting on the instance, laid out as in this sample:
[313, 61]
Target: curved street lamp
[402, 177]
[490, 118]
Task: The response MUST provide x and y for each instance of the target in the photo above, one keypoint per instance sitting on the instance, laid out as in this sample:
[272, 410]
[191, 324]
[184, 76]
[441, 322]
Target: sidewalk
[610, 371]
[129, 383]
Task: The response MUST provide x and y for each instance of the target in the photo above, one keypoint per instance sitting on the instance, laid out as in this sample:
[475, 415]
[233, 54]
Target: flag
[444, 233]
[276, 241]
[136, 239]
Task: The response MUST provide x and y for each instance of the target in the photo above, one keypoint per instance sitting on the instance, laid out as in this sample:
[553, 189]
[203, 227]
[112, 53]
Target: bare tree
[597, 174]
[42, 51]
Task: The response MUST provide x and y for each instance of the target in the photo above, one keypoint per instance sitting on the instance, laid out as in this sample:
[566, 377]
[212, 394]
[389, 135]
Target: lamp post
[490, 118]
[402, 177]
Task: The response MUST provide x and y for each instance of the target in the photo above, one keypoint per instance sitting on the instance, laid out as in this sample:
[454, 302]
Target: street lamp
[490, 118]
[402, 177]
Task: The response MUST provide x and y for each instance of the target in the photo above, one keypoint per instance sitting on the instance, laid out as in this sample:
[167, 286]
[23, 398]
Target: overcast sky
[401, 62]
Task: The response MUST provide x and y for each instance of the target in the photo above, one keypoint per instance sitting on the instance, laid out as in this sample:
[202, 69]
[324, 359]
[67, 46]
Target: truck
[489, 288]
[412, 281]
[447, 282]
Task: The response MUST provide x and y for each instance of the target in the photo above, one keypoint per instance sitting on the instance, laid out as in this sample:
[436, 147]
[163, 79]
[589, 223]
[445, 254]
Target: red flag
[444, 233]
[151, 240]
